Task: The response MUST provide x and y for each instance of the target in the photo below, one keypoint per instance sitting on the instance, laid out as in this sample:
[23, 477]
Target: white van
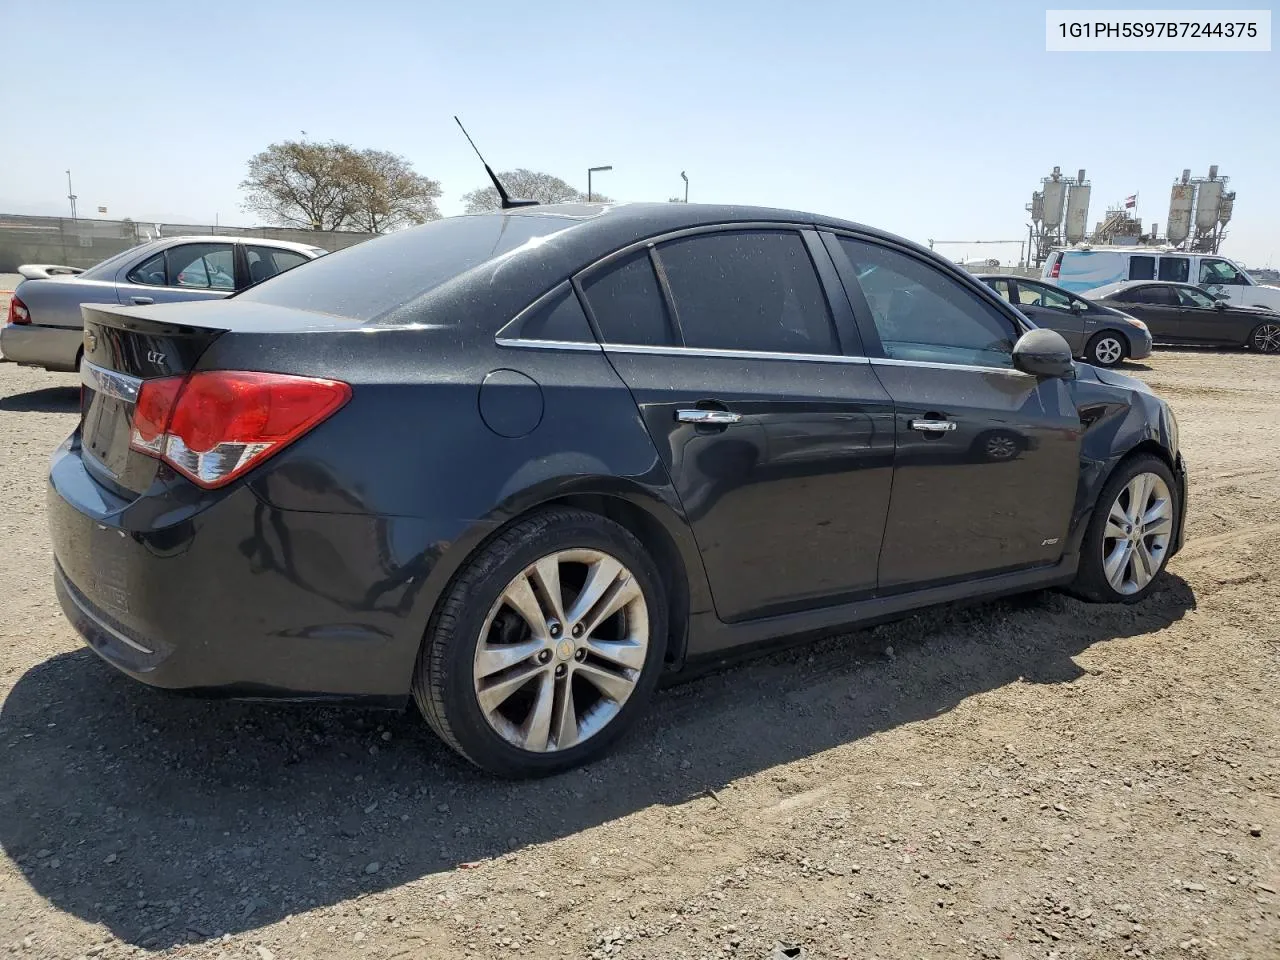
[1079, 269]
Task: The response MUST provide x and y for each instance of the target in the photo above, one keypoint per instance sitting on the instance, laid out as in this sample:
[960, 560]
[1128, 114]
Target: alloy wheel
[1139, 526]
[1266, 339]
[1107, 351]
[1001, 447]
[561, 650]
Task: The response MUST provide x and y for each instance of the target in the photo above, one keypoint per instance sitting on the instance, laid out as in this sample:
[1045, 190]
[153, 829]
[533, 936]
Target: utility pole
[71, 196]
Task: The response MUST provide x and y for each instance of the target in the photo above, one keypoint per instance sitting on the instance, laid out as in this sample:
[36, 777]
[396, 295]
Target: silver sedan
[44, 326]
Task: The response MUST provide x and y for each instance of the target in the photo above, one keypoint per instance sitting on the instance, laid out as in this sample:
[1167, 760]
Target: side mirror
[1044, 353]
[1220, 304]
[1078, 307]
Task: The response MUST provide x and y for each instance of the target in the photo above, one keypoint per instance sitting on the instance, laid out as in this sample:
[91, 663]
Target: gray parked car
[1098, 334]
[45, 329]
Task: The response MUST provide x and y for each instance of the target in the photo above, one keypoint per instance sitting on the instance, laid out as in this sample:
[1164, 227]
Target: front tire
[546, 647]
[1127, 544]
[1106, 349]
[1266, 337]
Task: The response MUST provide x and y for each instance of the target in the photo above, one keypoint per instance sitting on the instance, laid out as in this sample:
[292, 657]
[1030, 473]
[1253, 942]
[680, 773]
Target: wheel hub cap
[561, 650]
[1135, 541]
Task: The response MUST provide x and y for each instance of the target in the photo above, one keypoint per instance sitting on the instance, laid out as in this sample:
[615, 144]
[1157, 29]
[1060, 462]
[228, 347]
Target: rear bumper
[219, 593]
[54, 348]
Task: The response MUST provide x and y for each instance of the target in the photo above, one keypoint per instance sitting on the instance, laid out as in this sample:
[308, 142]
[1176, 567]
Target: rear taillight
[1057, 265]
[214, 425]
[18, 312]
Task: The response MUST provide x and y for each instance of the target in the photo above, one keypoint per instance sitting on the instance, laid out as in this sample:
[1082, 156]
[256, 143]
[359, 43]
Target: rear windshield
[103, 270]
[374, 278]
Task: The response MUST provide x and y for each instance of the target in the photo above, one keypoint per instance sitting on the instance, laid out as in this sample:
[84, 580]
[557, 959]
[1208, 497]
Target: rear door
[1051, 308]
[186, 271]
[771, 424]
[265, 262]
[987, 457]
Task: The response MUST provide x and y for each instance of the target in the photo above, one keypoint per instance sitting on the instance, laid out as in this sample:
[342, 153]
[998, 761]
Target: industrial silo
[1180, 204]
[1078, 209]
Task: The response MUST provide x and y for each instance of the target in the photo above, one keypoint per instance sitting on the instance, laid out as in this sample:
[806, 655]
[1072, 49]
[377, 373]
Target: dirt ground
[1033, 778]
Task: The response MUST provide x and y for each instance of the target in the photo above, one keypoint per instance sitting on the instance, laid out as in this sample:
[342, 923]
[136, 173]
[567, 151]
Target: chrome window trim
[710, 353]
[939, 365]
[547, 344]
[112, 383]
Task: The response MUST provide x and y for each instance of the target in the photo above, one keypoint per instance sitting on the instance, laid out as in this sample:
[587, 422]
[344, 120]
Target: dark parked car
[1098, 334]
[1183, 313]
[518, 465]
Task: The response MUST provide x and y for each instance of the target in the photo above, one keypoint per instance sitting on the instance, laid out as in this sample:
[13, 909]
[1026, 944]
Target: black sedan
[1098, 334]
[516, 466]
[1183, 313]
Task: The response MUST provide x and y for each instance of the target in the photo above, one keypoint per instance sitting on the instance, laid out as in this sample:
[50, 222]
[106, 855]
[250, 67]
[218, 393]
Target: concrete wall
[82, 243]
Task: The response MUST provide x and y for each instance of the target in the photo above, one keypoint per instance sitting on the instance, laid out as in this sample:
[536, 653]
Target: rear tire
[1127, 544]
[506, 678]
[1106, 349]
[1265, 337]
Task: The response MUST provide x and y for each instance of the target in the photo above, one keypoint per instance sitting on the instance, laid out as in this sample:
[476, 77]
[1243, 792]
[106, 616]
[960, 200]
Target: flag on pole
[1131, 201]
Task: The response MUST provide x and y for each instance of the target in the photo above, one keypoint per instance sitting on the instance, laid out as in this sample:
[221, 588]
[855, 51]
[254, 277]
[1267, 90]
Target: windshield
[374, 278]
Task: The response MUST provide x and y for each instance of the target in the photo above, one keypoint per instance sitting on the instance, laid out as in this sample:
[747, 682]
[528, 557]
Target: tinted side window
[1152, 294]
[1142, 268]
[628, 304]
[266, 262]
[1035, 295]
[923, 314]
[1175, 269]
[748, 290]
[149, 271]
[1001, 287]
[1193, 298]
[558, 317]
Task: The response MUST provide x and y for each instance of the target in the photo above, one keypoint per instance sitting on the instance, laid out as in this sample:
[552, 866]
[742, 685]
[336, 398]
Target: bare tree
[386, 193]
[527, 185]
[301, 184]
[331, 186]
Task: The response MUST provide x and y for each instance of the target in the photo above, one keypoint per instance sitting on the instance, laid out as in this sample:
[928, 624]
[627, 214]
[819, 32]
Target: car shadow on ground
[44, 400]
[172, 820]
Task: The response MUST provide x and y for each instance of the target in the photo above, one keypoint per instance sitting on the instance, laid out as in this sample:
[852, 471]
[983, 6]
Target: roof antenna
[504, 200]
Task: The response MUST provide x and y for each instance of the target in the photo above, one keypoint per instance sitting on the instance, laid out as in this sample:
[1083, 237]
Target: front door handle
[142, 301]
[932, 426]
[708, 417]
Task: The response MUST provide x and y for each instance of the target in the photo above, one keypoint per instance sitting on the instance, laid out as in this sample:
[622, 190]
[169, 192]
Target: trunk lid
[123, 348]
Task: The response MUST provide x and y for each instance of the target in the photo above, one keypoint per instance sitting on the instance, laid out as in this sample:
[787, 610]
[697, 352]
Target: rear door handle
[142, 301]
[932, 426]
[718, 417]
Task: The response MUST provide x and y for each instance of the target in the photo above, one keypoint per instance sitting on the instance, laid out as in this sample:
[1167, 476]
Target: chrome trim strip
[106, 628]
[933, 365]
[121, 386]
[546, 344]
[731, 354]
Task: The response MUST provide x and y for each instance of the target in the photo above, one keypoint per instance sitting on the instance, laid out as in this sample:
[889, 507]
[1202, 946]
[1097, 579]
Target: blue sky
[927, 119]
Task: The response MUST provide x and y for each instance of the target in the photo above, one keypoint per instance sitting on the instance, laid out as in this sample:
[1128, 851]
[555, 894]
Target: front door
[1202, 321]
[779, 445]
[987, 458]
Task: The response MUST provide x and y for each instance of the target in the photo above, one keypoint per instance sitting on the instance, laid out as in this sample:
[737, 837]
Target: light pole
[71, 196]
[590, 171]
[685, 178]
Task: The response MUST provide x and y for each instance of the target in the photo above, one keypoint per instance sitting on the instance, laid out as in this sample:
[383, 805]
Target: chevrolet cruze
[517, 466]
